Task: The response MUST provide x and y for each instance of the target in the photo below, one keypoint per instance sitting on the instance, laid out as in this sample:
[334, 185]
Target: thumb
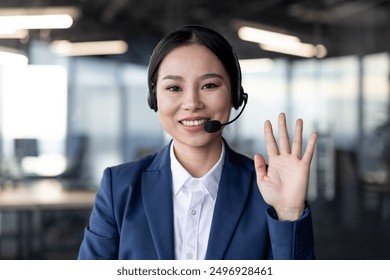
[260, 166]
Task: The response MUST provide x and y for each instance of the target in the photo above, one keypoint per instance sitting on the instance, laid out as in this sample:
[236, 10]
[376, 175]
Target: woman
[197, 198]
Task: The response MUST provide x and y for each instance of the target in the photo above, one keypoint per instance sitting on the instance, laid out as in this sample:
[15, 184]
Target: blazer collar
[233, 192]
[157, 199]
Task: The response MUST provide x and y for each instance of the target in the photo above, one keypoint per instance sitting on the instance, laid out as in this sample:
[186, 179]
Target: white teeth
[194, 123]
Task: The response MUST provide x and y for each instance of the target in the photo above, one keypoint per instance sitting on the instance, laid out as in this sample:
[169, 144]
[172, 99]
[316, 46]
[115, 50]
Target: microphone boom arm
[214, 125]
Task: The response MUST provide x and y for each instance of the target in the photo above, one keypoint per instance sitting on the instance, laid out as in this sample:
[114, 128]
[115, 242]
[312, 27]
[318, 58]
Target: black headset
[238, 94]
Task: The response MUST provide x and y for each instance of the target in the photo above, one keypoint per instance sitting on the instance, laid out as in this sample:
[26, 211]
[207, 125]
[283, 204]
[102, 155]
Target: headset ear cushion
[152, 100]
[149, 100]
[239, 94]
[238, 97]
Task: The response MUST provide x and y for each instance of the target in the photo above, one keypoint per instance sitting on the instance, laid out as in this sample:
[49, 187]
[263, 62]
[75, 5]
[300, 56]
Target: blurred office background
[67, 110]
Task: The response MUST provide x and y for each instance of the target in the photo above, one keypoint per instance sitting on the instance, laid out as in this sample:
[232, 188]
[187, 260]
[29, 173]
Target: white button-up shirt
[193, 208]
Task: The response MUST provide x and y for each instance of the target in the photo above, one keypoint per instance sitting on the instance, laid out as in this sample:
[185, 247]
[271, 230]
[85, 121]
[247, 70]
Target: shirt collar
[210, 180]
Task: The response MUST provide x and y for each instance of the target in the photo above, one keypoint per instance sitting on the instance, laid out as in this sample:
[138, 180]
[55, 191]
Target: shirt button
[193, 212]
[189, 256]
[195, 183]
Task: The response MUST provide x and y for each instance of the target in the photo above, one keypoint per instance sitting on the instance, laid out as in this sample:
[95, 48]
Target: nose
[192, 100]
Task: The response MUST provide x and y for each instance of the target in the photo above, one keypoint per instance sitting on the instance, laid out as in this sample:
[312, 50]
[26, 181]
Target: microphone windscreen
[212, 126]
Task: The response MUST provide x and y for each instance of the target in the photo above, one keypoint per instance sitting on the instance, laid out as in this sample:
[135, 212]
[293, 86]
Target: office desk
[29, 201]
[47, 194]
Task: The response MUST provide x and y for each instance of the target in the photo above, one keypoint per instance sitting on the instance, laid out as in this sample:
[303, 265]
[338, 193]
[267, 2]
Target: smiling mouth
[194, 122]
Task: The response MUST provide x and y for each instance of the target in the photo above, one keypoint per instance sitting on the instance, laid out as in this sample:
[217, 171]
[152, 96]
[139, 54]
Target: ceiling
[343, 26]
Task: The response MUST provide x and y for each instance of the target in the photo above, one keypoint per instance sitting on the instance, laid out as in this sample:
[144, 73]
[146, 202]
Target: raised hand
[284, 184]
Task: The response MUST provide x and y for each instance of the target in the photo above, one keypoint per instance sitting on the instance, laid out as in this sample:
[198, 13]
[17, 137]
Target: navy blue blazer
[132, 217]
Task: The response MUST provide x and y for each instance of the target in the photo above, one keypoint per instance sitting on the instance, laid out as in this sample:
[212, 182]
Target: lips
[193, 122]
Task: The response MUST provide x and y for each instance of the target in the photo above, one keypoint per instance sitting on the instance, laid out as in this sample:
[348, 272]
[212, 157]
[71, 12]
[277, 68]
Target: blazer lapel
[232, 194]
[157, 199]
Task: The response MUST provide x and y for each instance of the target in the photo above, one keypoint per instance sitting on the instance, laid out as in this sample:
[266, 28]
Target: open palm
[283, 184]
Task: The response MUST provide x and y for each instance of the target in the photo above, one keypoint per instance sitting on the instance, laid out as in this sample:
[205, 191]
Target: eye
[173, 88]
[209, 86]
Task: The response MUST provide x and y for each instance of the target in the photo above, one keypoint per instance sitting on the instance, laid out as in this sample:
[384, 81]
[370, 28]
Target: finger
[272, 147]
[260, 166]
[297, 141]
[307, 157]
[284, 141]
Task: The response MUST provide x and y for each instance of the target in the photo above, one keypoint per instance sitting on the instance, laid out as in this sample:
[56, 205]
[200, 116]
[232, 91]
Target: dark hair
[195, 34]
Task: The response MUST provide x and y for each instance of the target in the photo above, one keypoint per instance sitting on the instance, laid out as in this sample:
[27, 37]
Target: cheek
[226, 107]
[166, 111]
[165, 120]
[165, 105]
[222, 104]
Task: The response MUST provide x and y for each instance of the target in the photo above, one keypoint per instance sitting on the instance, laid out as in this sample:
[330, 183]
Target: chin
[201, 140]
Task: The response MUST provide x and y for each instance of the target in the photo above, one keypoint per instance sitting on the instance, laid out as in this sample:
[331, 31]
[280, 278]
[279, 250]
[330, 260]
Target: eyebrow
[203, 77]
[173, 77]
[211, 75]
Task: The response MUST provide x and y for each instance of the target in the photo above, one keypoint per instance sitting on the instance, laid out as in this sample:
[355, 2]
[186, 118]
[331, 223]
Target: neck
[198, 160]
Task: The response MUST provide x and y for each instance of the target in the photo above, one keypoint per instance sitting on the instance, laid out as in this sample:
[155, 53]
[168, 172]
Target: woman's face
[192, 87]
